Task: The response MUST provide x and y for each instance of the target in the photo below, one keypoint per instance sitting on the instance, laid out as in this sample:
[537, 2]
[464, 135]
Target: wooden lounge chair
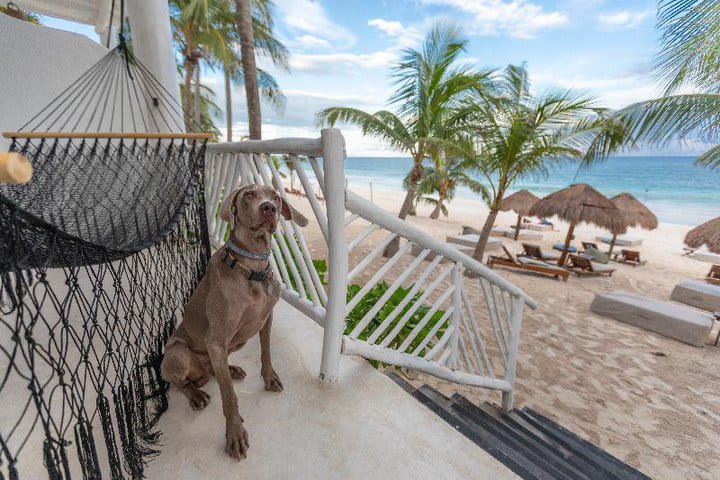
[587, 245]
[631, 257]
[583, 266]
[713, 275]
[527, 264]
[533, 251]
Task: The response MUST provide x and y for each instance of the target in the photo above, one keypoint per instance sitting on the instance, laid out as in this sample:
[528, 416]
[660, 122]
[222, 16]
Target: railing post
[457, 303]
[516, 318]
[334, 167]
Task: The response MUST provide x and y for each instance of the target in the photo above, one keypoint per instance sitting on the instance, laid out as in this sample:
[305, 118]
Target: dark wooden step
[614, 467]
[479, 435]
[520, 445]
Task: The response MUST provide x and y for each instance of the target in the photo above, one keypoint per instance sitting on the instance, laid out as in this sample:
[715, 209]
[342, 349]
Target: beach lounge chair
[470, 240]
[524, 234]
[527, 264]
[595, 255]
[631, 257]
[627, 241]
[585, 266]
[534, 251]
[713, 275]
[673, 320]
[587, 245]
[697, 293]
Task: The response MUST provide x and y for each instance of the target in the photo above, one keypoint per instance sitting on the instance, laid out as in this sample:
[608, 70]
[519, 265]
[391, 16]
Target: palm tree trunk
[228, 103]
[438, 208]
[415, 176]
[247, 50]
[479, 251]
[187, 96]
[197, 111]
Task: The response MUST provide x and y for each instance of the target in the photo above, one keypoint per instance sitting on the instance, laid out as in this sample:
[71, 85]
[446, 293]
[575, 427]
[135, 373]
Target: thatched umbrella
[580, 204]
[519, 202]
[706, 234]
[635, 213]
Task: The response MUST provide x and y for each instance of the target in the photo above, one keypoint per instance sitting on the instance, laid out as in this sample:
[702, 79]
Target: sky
[342, 51]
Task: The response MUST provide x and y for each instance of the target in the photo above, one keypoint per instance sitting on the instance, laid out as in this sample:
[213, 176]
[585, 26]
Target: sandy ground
[651, 401]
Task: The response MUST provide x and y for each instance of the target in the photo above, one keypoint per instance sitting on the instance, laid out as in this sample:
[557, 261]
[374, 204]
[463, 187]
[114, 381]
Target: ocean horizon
[672, 187]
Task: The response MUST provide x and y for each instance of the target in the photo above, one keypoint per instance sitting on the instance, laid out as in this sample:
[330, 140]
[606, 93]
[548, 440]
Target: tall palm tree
[430, 83]
[516, 134]
[689, 59]
[440, 182]
[245, 31]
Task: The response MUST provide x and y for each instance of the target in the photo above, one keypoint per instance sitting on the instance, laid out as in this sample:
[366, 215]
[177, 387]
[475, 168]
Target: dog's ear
[289, 213]
[227, 209]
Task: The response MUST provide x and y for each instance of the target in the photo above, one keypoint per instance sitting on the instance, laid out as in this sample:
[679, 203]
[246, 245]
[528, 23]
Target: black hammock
[98, 254]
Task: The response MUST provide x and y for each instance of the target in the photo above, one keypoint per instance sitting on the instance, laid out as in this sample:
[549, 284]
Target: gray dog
[232, 304]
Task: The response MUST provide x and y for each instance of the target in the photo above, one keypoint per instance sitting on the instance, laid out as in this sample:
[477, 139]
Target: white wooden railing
[425, 314]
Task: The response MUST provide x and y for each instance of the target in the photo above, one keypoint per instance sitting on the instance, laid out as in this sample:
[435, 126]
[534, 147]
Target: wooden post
[612, 243]
[334, 167]
[516, 318]
[568, 239]
[517, 227]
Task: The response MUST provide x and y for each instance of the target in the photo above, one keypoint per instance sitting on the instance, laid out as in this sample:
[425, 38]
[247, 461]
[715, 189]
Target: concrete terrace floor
[362, 427]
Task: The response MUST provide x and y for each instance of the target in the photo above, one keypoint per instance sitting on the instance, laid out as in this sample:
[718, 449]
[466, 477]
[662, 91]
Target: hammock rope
[99, 252]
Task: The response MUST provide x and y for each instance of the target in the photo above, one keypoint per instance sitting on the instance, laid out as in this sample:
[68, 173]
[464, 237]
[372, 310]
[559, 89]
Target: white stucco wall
[37, 64]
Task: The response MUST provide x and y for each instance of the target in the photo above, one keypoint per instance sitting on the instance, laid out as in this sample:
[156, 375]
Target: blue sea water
[674, 188]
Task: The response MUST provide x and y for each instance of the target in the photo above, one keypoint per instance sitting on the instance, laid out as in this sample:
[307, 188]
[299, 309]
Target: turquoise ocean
[674, 188]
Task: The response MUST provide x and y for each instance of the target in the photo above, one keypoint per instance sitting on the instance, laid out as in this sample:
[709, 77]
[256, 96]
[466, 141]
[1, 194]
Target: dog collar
[252, 275]
[246, 253]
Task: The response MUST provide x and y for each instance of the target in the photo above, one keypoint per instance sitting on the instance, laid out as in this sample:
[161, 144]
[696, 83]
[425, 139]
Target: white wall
[37, 64]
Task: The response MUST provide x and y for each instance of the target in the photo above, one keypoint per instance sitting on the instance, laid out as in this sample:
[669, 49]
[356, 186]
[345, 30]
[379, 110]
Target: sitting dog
[233, 303]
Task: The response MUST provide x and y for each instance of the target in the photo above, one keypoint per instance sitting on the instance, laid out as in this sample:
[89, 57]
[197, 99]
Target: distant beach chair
[713, 275]
[534, 251]
[587, 245]
[585, 266]
[595, 255]
[631, 257]
[468, 230]
[527, 264]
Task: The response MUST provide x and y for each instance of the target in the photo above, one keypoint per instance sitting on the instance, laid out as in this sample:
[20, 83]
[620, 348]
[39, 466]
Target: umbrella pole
[612, 243]
[568, 239]
[517, 227]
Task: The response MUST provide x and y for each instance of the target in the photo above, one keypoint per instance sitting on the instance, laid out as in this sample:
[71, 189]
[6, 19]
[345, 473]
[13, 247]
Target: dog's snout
[268, 208]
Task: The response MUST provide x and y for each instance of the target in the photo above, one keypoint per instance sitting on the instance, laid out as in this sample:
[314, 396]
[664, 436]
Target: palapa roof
[706, 234]
[636, 214]
[581, 203]
[519, 202]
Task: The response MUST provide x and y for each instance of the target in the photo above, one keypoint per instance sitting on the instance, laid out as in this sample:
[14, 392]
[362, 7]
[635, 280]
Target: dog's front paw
[236, 439]
[272, 381]
[236, 373]
[199, 400]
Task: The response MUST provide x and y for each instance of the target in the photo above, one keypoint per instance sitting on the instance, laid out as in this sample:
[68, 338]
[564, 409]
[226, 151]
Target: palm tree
[516, 134]
[442, 180]
[689, 59]
[224, 55]
[247, 48]
[430, 85]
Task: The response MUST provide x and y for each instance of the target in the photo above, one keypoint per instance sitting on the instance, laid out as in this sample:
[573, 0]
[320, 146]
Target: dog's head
[254, 210]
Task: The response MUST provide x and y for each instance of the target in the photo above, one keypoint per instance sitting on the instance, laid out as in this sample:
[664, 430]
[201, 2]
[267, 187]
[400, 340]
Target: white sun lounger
[673, 320]
[621, 241]
[697, 293]
[470, 240]
[524, 235]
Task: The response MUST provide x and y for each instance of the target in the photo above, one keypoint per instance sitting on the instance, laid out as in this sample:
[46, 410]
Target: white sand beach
[651, 401]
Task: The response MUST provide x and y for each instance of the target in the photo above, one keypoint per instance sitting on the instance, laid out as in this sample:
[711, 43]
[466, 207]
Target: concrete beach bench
[670, 319]
[697, 293]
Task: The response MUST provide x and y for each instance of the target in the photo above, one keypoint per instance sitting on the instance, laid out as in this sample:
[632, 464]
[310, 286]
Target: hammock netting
[98, 255]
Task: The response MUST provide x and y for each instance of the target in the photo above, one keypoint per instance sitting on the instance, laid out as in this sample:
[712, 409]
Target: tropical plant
[516, 134]
[689, 59]
[440, 181]
[209, 111]
[12, 10]
[430, 85]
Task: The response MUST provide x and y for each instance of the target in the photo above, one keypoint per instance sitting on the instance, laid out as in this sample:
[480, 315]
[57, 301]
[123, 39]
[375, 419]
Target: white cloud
[390, 28]
[402, 35]
[310, 18]
[623, 18]
[517, 18]
[310, 42]
[341, 63]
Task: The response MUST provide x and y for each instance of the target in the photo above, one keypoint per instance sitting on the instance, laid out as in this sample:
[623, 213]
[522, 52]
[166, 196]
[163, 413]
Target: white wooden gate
[415, 309]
